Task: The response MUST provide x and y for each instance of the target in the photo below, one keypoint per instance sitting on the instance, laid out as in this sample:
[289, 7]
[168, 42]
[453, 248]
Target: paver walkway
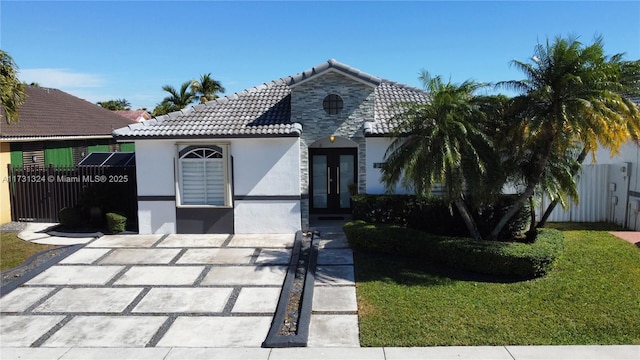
[152, 291]
[632, 237]
[215, 291]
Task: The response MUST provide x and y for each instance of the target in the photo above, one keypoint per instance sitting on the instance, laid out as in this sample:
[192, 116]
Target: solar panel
[109, 159]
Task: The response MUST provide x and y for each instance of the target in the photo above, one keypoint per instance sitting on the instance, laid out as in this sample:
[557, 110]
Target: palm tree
[117, 104]
[630, 79]
[207, 88]
[574, 96]
[161, 109]
[178, 100]
[11, 89]
[438, 143]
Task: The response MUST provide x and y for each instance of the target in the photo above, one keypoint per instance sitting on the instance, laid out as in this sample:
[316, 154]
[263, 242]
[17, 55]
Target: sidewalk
[622, 352]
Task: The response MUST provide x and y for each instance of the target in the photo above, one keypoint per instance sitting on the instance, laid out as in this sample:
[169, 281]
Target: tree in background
[206, 88]
[439, 143]
[176, 100]
[117, 104]
[11, 89]
[161, 109]
[574, 98]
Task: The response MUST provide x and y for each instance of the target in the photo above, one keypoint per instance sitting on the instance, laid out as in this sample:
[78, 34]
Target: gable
[308, 101]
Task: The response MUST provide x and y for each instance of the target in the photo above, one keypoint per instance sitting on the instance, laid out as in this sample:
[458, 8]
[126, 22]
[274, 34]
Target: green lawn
[14, 251]
[591, 297]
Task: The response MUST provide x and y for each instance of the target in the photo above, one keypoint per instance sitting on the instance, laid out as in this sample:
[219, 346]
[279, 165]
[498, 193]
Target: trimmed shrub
[435, 216]
[116, 222]
[71, 218]
[512, 259]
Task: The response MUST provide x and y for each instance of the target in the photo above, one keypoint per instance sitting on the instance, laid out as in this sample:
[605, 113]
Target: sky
[104, 50]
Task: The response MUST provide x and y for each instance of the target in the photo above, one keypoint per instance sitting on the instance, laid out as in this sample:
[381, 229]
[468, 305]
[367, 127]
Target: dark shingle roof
[54, 113]
[265, 110]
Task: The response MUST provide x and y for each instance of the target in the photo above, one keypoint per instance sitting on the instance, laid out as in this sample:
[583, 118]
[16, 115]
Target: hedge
[511, 259]
[435, 216]
[116, 222]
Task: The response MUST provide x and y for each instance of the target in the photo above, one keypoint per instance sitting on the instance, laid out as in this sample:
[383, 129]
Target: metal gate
[38, 194]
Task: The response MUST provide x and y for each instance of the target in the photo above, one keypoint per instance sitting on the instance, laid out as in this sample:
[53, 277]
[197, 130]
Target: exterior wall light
[34, 158]
[332, 138]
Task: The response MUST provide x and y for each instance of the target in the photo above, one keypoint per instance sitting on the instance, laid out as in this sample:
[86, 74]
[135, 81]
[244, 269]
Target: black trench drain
[290, 325]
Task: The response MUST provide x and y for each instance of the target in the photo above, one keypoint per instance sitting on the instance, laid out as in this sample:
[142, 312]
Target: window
[203, 176]
[332, 104]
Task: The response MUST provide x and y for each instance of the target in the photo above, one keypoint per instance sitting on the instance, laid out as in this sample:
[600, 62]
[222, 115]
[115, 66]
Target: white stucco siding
[156, 217]
[376, 148]
[267, 217]
[266, 167]
[155, 167]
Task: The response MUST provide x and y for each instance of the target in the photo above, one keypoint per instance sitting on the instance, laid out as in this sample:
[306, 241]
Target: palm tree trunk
[532, 212]
[549, 210]
[528, 192]
[467, 218]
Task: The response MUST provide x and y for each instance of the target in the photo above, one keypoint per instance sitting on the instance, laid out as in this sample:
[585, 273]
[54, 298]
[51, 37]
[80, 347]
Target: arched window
[203, 176]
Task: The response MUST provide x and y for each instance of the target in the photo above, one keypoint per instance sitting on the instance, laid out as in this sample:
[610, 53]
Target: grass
[14, 251]
[600, 226]
[591, 297]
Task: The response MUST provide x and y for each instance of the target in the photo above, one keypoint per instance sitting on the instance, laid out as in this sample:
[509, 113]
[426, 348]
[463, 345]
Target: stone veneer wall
[306, 109]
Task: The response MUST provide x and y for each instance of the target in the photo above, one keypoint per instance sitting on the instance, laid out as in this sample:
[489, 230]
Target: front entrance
[333, 170]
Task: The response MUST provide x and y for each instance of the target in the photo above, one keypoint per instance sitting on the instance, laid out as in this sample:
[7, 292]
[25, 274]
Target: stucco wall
[266, 184]
[5, 205]
[266, 166]
[156, 217]
[155, 167]
[156, 184]
[376, 148]
[267, 216]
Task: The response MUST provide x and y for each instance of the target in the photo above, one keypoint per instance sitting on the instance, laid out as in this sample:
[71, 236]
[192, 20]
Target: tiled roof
[265, 110]
[53, 113]
[262, 110]
[388, 95]
[134, 115]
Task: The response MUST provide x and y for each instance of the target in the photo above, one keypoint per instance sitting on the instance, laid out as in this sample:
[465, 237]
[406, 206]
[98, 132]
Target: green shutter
[16, 155]
[127, 147]
[58, 154]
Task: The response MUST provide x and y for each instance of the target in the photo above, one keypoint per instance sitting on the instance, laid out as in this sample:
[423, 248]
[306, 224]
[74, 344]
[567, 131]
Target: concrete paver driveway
[152, 291]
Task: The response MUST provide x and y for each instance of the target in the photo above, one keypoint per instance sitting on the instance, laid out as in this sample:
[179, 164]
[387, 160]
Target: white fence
[604, 197]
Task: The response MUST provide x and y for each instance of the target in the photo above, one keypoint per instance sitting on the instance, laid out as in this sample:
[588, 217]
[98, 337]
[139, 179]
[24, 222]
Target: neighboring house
[55, 128]
[266, 159]
[134, 115]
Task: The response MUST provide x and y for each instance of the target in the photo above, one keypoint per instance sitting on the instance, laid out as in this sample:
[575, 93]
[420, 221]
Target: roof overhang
[53, 137]
[124, 138]
[329, 70]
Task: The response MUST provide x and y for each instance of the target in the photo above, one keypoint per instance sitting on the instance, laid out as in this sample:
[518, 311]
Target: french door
[332, 171]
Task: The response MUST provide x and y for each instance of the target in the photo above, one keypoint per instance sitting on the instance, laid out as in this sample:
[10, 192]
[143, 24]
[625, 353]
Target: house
[267, 159]
[54, 128]
[134, 115]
